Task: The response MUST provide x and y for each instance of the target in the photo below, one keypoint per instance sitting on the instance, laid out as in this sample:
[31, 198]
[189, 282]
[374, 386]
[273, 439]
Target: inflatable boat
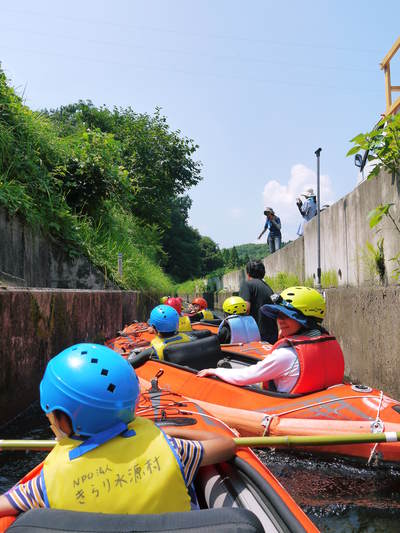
[345, 408]
[237, 496]
[140, 334]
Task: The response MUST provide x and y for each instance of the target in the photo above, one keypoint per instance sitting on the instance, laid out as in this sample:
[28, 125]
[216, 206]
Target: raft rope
[378, 426]
[268, 418]
[177, 406]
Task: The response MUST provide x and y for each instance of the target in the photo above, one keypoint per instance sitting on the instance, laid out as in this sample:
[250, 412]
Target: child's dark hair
[255, 269]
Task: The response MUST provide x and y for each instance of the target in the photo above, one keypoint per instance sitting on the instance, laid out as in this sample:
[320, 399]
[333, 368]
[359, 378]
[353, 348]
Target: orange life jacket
[321, 362]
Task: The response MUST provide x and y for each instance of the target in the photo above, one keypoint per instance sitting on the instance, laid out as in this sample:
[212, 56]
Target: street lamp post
[317, 153]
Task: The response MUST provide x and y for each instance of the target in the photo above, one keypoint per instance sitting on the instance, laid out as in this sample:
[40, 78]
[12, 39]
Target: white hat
[308, 193]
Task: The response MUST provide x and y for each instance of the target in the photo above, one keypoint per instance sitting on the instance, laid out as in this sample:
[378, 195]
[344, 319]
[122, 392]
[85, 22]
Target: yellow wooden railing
[391, 107]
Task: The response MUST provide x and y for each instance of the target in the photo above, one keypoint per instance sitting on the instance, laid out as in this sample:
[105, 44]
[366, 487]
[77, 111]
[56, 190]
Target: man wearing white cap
[308, 208]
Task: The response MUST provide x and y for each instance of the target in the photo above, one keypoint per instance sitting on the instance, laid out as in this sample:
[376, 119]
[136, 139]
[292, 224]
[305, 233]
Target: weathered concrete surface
[38, 324]
[345, 232]
[366, 323]
[27, 259]
[228, 282]
[288, 259]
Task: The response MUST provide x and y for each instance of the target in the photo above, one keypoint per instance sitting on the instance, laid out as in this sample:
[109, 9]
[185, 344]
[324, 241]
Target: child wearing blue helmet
[106, 459]
[165, 321]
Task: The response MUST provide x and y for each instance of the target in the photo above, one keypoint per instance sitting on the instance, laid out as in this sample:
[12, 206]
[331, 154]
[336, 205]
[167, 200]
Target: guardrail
[391, 107]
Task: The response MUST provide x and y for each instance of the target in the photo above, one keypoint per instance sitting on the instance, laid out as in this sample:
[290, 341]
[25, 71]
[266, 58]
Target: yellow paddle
[39, 445]
[318, 440]
[315, 440]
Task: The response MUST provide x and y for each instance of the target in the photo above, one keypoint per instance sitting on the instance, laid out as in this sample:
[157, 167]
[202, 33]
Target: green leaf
[353, 151]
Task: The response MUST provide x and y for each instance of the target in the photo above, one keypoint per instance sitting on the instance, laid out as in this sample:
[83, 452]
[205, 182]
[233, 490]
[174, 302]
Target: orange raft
[140, 334]
[344, 408]
[243, 482]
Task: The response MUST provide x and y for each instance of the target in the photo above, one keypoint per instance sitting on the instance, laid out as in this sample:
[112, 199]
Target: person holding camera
[273, 224]
[308, 208]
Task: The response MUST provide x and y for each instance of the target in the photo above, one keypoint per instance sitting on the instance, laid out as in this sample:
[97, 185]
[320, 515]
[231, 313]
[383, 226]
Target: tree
[158, 162]
[211, 257]
[182, 243]
[235, 261]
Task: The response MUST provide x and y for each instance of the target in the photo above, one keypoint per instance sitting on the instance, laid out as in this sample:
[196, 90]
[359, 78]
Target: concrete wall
[345, 231]
[38, 324]
[288, 259]
[366, 323]
[27, 259]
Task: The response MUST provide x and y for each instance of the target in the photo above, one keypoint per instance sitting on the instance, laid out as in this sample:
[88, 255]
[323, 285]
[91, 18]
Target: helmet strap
[97, 440]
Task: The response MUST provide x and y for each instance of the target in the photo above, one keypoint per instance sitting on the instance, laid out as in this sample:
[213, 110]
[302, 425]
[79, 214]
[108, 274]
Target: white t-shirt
[281, 365]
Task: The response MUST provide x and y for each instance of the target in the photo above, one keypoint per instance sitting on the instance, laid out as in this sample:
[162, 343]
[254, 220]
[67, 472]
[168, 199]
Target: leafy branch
[382, 145]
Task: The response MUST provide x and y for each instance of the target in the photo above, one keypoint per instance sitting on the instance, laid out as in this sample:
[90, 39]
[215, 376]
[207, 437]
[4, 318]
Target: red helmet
[175, 303]
[201, 302]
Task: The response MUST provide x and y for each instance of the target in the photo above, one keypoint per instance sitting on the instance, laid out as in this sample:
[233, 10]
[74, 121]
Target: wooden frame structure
[391, 107]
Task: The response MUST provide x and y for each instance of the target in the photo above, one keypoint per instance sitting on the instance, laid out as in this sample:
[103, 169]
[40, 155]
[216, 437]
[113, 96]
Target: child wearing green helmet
[306, 358]
[237, 325]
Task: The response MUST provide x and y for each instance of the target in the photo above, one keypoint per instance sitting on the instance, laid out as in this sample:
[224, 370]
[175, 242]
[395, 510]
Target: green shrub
[329, 279]
[194, 286]
[282, 281]
[74, 190]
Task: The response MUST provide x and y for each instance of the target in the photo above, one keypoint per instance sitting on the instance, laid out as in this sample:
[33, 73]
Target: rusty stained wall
[37, 324]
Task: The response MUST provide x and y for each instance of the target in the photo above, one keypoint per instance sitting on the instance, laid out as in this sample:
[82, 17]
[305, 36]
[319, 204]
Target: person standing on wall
[257, 293]
[273, 224]
[308, 208]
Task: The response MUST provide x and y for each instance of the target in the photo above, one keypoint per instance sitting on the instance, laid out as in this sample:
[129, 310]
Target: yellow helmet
[235, 305]
[306, 300]
[163, 299]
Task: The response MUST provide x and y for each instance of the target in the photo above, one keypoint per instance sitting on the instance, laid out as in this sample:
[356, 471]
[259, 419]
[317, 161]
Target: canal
[337, 495]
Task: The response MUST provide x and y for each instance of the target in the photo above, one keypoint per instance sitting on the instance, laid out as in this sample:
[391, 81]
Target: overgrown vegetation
[328, 279]
[282, 281]
[374, 261]
[195, 286]
[382, 145]
[105, 181]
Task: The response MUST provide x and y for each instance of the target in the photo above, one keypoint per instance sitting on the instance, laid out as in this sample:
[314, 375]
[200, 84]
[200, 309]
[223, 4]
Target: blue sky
[259, 85]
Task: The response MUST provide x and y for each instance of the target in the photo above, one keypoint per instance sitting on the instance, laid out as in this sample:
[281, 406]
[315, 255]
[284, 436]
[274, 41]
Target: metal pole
[317, 153]
[120, 264]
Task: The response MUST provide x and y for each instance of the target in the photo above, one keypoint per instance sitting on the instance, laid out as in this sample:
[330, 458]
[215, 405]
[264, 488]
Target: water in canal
[337, 495]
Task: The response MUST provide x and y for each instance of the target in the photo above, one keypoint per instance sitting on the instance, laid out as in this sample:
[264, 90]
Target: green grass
[329, 279]
[282, 281]
[122, 232]
[193, 286]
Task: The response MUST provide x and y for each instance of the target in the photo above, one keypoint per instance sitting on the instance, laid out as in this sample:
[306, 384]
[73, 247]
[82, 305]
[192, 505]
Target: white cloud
[282, 198]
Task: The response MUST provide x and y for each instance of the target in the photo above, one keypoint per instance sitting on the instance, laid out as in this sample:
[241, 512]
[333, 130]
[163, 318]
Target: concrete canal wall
[366, 323]
[28, 259]
[37, 324]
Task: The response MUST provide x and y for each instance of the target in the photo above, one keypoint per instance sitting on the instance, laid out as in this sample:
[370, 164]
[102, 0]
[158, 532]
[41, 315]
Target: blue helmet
[164, 318]
[93, 385]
